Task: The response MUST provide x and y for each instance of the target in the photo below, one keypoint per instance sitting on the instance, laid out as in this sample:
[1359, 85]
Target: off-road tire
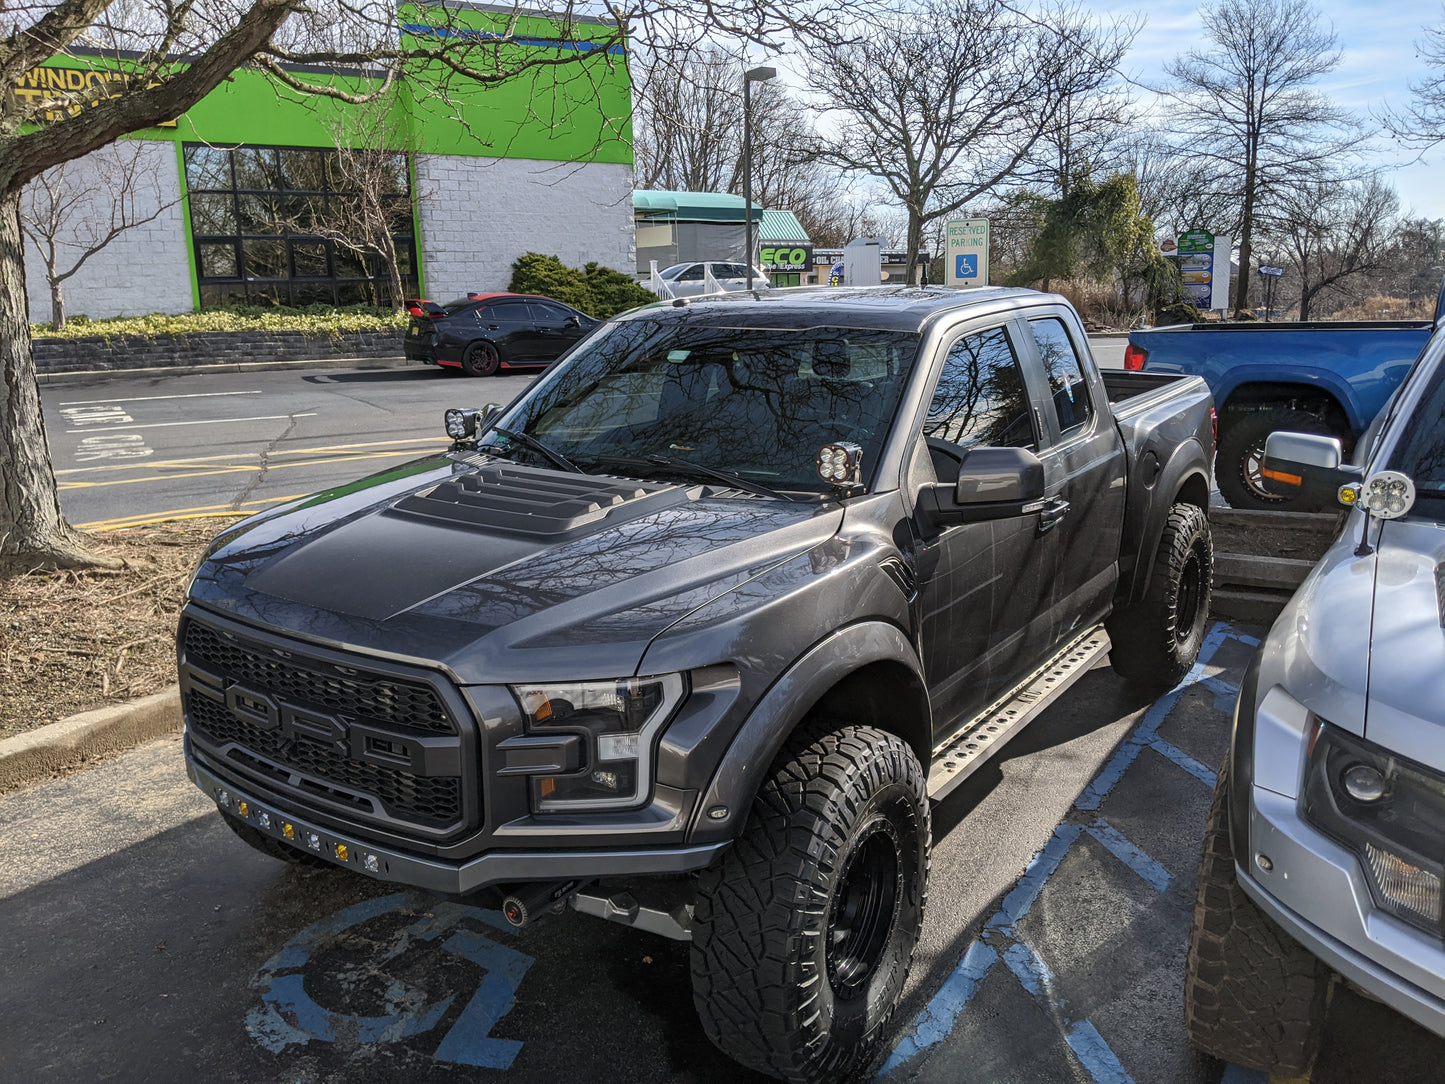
[1252, 994]
[1156, 640]
[274, 848]
[481, 359]
[767, 988]
[1241, 449]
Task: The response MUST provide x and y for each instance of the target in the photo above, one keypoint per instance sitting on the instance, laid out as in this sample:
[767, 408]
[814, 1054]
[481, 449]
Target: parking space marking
[199, 421]
[327, 450]
[290, 1016]
[233, 468]
[205, 511]
[1000, 934]
[153, 398]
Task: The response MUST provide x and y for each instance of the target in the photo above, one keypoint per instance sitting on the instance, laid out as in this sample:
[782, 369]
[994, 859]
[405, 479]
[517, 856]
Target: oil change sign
[966, 252]
[786, 256]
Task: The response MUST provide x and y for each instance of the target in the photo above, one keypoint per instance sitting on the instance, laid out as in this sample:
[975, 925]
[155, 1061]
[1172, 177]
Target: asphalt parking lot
[143, 942]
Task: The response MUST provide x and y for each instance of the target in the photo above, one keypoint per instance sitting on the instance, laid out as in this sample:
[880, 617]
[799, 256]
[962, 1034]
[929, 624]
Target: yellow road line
[204, 511]
[256, 455]
[237, 468]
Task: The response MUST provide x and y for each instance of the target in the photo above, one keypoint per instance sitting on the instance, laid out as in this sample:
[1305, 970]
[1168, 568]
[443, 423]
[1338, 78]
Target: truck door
[1085, 480]
[980, 400]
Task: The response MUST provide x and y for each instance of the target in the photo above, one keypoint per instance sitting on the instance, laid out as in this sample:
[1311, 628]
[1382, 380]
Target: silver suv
[1323, 854]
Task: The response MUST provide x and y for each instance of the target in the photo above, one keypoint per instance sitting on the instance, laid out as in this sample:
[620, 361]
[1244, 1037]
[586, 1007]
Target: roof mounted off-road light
[840, 464]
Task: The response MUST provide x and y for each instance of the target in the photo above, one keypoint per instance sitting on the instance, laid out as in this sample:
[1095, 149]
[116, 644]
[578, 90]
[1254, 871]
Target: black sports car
[481, 334]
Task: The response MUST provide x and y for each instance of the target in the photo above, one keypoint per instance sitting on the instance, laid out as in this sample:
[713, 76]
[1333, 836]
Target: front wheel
[1156, 640]
[1252, 994]
[481, 359]
[805, 928]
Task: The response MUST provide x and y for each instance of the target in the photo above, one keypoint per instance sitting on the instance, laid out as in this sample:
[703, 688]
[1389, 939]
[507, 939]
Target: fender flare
[773, 719]
[1311, 382]
[1186, 464]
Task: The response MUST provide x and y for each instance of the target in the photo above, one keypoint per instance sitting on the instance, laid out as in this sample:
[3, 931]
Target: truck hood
[1406, 703]
[501, 573]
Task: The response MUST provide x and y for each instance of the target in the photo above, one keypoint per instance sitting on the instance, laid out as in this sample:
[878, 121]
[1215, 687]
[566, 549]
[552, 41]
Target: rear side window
[510, 311]
[1067, 386]
[981, 398]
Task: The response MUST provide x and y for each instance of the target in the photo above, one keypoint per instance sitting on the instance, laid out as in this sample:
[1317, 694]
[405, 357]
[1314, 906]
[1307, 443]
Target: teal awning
[718, 207]
[782, 226]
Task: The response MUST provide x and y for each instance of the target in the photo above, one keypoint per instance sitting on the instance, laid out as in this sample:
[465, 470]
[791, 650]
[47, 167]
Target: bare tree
[948, 104]
[1422, 123]
[1246, 108]
[1332, 231]
[75, 210]
[159, 58]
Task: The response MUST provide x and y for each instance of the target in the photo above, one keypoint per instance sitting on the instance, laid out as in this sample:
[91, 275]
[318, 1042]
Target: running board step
[975, 743]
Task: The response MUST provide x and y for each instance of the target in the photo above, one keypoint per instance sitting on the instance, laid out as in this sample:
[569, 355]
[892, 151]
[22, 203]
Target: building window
[270, 226]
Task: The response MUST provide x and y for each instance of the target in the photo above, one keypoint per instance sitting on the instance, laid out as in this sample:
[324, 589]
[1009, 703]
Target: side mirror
[490, 411]
[993, 483]
[572, 321]
[1307, 465]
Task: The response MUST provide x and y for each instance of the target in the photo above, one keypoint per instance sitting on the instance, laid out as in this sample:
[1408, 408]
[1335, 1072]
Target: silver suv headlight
[619, 722]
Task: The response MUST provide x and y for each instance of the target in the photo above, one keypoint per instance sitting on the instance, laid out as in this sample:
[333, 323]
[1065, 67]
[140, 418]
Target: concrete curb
[70, 742]
[232, 367]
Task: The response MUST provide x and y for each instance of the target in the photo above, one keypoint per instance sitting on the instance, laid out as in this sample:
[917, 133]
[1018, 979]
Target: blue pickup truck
[1317, 377]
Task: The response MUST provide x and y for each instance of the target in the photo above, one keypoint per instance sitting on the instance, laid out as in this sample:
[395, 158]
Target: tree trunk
[33, 531]
[1246, 241]
[915, 242]
[57, 306]
[1306, 296]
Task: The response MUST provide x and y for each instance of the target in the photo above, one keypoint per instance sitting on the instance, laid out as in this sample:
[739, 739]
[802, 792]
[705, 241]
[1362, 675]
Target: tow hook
[527, 901]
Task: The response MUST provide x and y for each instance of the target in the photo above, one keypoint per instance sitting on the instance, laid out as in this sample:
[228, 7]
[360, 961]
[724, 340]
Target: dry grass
[71, 641]
[1387, 308]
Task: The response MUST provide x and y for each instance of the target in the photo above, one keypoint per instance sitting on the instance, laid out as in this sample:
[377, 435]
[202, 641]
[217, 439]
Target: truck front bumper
[1316, 892]
[493, 868]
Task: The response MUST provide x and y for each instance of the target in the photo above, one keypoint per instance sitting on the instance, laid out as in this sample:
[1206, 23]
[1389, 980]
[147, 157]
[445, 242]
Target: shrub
[596, 290]
[317, 321]
[1181, 312]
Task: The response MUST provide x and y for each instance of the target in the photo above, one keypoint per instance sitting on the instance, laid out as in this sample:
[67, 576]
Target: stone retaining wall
[206, 348]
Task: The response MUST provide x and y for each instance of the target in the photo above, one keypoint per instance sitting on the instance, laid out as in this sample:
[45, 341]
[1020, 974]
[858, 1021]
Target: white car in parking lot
[690, 279]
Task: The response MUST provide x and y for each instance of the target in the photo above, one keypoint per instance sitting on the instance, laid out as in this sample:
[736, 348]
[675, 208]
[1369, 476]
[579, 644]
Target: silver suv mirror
[1307, 465]
[1306, 449]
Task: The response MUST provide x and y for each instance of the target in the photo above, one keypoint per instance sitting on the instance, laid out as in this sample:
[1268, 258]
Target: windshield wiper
[687, 466]
[526, 439]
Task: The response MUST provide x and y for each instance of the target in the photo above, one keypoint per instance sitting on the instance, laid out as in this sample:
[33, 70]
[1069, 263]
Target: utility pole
[751, 76]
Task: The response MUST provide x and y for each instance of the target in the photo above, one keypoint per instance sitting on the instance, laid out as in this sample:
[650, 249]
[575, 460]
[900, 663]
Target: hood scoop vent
[540, 503]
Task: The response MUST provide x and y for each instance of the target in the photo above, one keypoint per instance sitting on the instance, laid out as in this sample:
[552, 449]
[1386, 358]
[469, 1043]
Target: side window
[692, 274]
[554, 314]
[1067, 386]
[981, 398]
[511, 312]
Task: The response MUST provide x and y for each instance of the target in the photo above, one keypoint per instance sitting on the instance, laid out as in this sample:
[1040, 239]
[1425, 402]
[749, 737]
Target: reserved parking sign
[967, 262]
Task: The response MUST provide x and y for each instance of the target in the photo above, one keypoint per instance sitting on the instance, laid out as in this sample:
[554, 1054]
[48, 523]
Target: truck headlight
[1390, 812]
[619, 722]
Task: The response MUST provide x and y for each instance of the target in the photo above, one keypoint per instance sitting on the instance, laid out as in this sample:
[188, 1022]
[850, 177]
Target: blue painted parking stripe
[1017, 903]
[1098, 1059]
[937, 1019]
[1095, 793]
[1151, 871]
[1031, 971]
[1184, 760]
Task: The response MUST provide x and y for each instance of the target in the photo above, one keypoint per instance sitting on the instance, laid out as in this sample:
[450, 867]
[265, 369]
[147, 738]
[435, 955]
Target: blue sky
[1380, 61]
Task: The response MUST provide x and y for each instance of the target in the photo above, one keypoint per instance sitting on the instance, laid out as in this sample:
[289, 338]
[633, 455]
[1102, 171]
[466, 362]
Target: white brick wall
[480, 214]
[146, 269]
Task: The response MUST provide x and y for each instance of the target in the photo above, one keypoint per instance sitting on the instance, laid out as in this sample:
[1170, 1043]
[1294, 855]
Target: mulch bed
[71, 641]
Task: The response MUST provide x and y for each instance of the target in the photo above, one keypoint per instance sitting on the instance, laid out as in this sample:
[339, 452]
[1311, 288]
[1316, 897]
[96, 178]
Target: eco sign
[966, 252]
[787, 257]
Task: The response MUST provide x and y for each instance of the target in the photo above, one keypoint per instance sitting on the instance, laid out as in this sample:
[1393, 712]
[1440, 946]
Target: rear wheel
[1241, 456]
[805, 928]
[1252, 994]
[1156, 640]
[481, 359]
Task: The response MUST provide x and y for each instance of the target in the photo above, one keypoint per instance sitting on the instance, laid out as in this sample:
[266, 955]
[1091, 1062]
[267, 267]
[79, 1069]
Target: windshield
[1420, 451]
[754, 402]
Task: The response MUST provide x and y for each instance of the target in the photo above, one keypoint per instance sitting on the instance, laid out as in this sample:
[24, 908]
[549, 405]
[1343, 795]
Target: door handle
[494, 327]
[1052, 513]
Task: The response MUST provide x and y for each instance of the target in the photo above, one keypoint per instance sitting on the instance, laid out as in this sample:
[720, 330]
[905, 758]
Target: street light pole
[751, 76]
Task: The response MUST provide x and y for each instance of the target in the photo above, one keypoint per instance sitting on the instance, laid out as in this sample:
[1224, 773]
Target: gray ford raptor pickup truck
[692, 633]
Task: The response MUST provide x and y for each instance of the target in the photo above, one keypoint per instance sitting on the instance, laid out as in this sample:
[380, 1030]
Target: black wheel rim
[865, 906]
[1186, 603]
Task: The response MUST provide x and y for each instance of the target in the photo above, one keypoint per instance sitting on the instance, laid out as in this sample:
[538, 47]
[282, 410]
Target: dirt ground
[72, 641]
[1271, 541]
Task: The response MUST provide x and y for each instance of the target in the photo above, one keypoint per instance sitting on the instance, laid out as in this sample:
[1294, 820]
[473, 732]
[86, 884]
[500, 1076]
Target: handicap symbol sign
[965, 266]
[290, 1015]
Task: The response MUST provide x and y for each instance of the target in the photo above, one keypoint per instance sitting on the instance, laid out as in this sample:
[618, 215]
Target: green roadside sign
[1195, 242]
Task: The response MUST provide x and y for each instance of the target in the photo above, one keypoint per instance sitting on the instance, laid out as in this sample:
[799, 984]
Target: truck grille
[334, 736]
[370, 696]
[432, 802]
